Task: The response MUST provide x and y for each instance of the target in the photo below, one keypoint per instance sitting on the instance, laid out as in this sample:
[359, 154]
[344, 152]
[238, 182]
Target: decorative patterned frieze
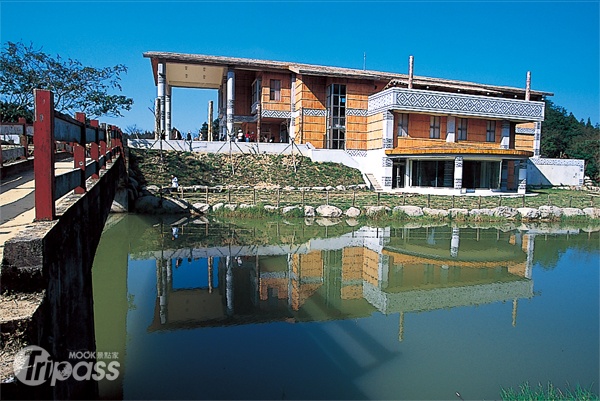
[388, 143]
[386, 162]
[356, 112]
[529, 131]
[244, 119]
[357, 153]
[275, 114]
[387, 181]
[454, 103]
[557, 162]
[314, 112]
[388, 116]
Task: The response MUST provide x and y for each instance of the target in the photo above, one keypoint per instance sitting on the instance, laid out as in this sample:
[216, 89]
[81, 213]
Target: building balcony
[439, 147]
[456, 104]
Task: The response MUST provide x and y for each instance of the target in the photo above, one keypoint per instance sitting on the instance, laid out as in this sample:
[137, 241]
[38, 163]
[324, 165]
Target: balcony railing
[455, 104]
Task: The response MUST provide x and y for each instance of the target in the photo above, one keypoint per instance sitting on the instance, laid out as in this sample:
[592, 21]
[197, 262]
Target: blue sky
[487, 42]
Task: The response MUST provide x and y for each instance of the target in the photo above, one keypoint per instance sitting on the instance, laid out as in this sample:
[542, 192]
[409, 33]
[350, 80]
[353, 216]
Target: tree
[563, 136]
[204, 131]
[215, 129]
[76, 87]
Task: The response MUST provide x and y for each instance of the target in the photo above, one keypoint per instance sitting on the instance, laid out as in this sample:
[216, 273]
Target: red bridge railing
[105, 144]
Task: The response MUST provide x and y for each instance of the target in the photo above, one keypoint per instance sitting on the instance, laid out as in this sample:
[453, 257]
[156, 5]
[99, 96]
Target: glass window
[336, 116]
[275, 93]
[434, 127]
[461, 129]
[490, 132]
[402, 124]
[256, 91]
[433, 173]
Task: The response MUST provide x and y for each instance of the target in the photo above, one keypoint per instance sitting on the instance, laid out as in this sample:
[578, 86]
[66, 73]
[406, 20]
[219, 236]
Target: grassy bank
[263, 171]
[240, 169]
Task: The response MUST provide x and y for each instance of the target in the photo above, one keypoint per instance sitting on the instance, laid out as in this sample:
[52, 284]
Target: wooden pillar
[210, 119]
[95, 149]
[103, 139]
[79, 155]
[43, 164]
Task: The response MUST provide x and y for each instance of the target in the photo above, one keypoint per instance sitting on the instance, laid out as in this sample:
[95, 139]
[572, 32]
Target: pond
[242, 309]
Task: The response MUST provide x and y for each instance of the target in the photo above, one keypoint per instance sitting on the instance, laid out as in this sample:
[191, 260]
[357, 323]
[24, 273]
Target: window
[461, 129]
[490, 132]
[256, 91]
[434, 127]
[275, 93]
[336, 116]
[402, 124]
[433, 173]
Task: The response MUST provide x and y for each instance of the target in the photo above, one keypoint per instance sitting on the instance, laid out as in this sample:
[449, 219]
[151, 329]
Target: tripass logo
[33, 366]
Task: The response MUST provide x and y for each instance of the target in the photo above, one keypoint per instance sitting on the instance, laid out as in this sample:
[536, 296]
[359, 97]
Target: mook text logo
[33, 366]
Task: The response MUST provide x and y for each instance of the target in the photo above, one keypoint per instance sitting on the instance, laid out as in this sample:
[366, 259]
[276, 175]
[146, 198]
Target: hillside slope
[248, 169]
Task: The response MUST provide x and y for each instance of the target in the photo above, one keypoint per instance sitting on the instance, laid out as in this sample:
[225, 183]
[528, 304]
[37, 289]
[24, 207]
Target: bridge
[51, 223]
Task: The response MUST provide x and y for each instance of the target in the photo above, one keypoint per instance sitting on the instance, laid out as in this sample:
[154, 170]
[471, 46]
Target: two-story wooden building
[405, 132]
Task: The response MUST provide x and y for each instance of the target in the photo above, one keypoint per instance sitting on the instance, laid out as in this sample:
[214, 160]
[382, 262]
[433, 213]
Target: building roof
[395, 79]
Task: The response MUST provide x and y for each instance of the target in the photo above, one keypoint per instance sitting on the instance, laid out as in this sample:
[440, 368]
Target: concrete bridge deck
[17, 201]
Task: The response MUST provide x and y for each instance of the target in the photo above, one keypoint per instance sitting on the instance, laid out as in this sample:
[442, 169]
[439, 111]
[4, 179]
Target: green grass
[548, 393]
[211, 170]
[241, 169]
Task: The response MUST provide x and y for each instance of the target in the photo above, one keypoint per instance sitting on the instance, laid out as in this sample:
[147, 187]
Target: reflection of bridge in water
[351, 276]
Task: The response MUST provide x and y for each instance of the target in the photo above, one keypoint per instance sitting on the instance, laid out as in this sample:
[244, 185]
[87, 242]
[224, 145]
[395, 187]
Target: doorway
[398, 173]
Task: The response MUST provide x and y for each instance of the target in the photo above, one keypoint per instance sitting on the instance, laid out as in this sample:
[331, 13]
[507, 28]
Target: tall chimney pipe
[410, 71]
[528, 87]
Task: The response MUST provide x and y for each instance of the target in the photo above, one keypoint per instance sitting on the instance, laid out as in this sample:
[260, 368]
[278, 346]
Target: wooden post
[278, 195]
[453, 201]
[43, 164]
[327, 196]
[79, 154]
[353, 197]
[428, 200]
[499, 201]
[228, 195]
[378, 197]
[103, 145]
[302, 190]
[95, 149]
[523, 200]
[254, 196]
[592, 201]
[479, 202]
[570, 201]
[206, 193]
[403, 198]
[549, 204]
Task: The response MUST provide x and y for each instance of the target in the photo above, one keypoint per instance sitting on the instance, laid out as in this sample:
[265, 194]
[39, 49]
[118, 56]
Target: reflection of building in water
[390, 270]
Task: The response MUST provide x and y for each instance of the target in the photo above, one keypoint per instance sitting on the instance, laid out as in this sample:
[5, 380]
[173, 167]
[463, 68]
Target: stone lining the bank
[543, 213]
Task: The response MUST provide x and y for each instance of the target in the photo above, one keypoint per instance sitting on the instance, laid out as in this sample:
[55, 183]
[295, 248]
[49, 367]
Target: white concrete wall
[555, 172]
[219, 147]
[335, 156]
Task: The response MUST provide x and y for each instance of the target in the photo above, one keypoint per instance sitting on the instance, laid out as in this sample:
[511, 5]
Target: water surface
[284, 310]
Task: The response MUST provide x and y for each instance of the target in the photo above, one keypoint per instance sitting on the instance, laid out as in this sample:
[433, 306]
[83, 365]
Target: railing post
[23, 138]
[79, 154]
[95, 149]
[103, 145]
[43, 165]
[109, 151]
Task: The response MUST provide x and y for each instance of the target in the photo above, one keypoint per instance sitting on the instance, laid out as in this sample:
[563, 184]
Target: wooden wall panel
[476, 130]
[281, 105]
[418, 126]
[524, 142]
[243, 92]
